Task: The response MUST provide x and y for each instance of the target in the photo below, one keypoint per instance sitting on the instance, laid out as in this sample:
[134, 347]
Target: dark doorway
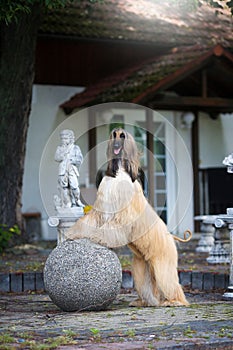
[216, 186]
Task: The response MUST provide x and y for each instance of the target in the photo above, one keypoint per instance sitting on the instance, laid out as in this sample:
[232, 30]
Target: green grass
[26, 340]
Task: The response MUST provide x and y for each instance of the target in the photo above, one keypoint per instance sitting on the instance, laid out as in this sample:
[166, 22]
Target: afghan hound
[121, 215]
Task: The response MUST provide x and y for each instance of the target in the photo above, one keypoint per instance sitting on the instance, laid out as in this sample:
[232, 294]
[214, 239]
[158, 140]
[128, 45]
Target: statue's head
[67, 136]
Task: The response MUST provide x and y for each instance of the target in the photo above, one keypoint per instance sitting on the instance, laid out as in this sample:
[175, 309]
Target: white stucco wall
[179, 174]
[227, 128]
[215, 139]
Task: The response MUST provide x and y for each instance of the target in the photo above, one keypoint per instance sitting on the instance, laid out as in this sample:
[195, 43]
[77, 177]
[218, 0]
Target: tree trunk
[18, 43]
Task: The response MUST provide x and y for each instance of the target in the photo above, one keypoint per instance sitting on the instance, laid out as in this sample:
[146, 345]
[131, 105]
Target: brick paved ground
[32, 320]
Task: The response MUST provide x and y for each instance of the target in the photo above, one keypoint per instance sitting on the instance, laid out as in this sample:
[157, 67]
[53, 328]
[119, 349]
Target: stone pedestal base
[227, 221]
[228, 295]
[220, 253]
[64, 220]
[206, 241]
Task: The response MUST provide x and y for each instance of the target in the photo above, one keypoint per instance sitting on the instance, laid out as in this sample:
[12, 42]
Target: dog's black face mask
[118, 143]
[122, 152]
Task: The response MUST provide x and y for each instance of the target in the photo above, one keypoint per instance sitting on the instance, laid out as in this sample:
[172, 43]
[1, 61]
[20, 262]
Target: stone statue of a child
[228, 161]
[70, 158]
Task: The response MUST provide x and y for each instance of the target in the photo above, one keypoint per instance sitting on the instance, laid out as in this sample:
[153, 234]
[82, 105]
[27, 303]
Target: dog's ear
[131, 169]
[131, 157]
[109, 150]
[110, 145]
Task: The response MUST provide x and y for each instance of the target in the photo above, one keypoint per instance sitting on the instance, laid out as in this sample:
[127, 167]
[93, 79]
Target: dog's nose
[117, 144]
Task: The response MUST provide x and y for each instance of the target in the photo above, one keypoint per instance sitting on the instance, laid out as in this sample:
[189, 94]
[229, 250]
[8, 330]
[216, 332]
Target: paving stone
[220, 281]
[16, 282]
[197, 280]
[29, 281]
[39, 281]
[208, 281]
[4, 282]
[185, 278]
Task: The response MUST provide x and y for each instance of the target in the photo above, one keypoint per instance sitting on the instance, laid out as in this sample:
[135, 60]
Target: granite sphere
[80, 275]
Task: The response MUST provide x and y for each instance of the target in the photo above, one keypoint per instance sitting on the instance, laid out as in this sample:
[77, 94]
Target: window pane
[159, 147]
[160, 165]
[160, 182]
[161, 199]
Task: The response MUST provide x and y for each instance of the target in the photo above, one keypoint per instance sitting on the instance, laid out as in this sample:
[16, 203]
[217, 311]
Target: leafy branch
[6, 234]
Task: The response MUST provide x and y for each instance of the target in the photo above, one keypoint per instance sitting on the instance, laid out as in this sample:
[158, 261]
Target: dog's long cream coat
[121, 216]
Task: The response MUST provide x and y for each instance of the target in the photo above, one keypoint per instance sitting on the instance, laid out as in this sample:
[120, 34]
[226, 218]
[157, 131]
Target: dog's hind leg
[167, 283]
[143, 283]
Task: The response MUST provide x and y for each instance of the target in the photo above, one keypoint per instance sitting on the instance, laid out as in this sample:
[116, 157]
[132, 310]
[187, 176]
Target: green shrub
[6, 234]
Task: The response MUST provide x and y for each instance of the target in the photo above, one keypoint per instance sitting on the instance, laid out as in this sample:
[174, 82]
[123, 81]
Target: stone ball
[80, 275]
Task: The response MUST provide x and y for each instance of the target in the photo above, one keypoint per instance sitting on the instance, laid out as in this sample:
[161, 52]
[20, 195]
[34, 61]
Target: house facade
[174, 96]
[171, 187]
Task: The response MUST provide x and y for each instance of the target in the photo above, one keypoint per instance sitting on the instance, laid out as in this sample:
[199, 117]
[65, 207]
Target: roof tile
[141, 20]
[127, 85]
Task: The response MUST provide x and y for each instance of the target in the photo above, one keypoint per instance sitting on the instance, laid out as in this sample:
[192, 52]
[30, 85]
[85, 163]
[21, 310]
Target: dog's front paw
[173, 303]
[140, 303]
[137, 303]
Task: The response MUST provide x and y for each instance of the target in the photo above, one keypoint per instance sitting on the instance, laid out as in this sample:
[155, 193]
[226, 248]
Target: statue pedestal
[227, 221]
[66, 217]
[206, 241]
[219, 254]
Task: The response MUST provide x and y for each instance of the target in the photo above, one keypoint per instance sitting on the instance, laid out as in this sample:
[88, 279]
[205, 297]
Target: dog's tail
[187, 236]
